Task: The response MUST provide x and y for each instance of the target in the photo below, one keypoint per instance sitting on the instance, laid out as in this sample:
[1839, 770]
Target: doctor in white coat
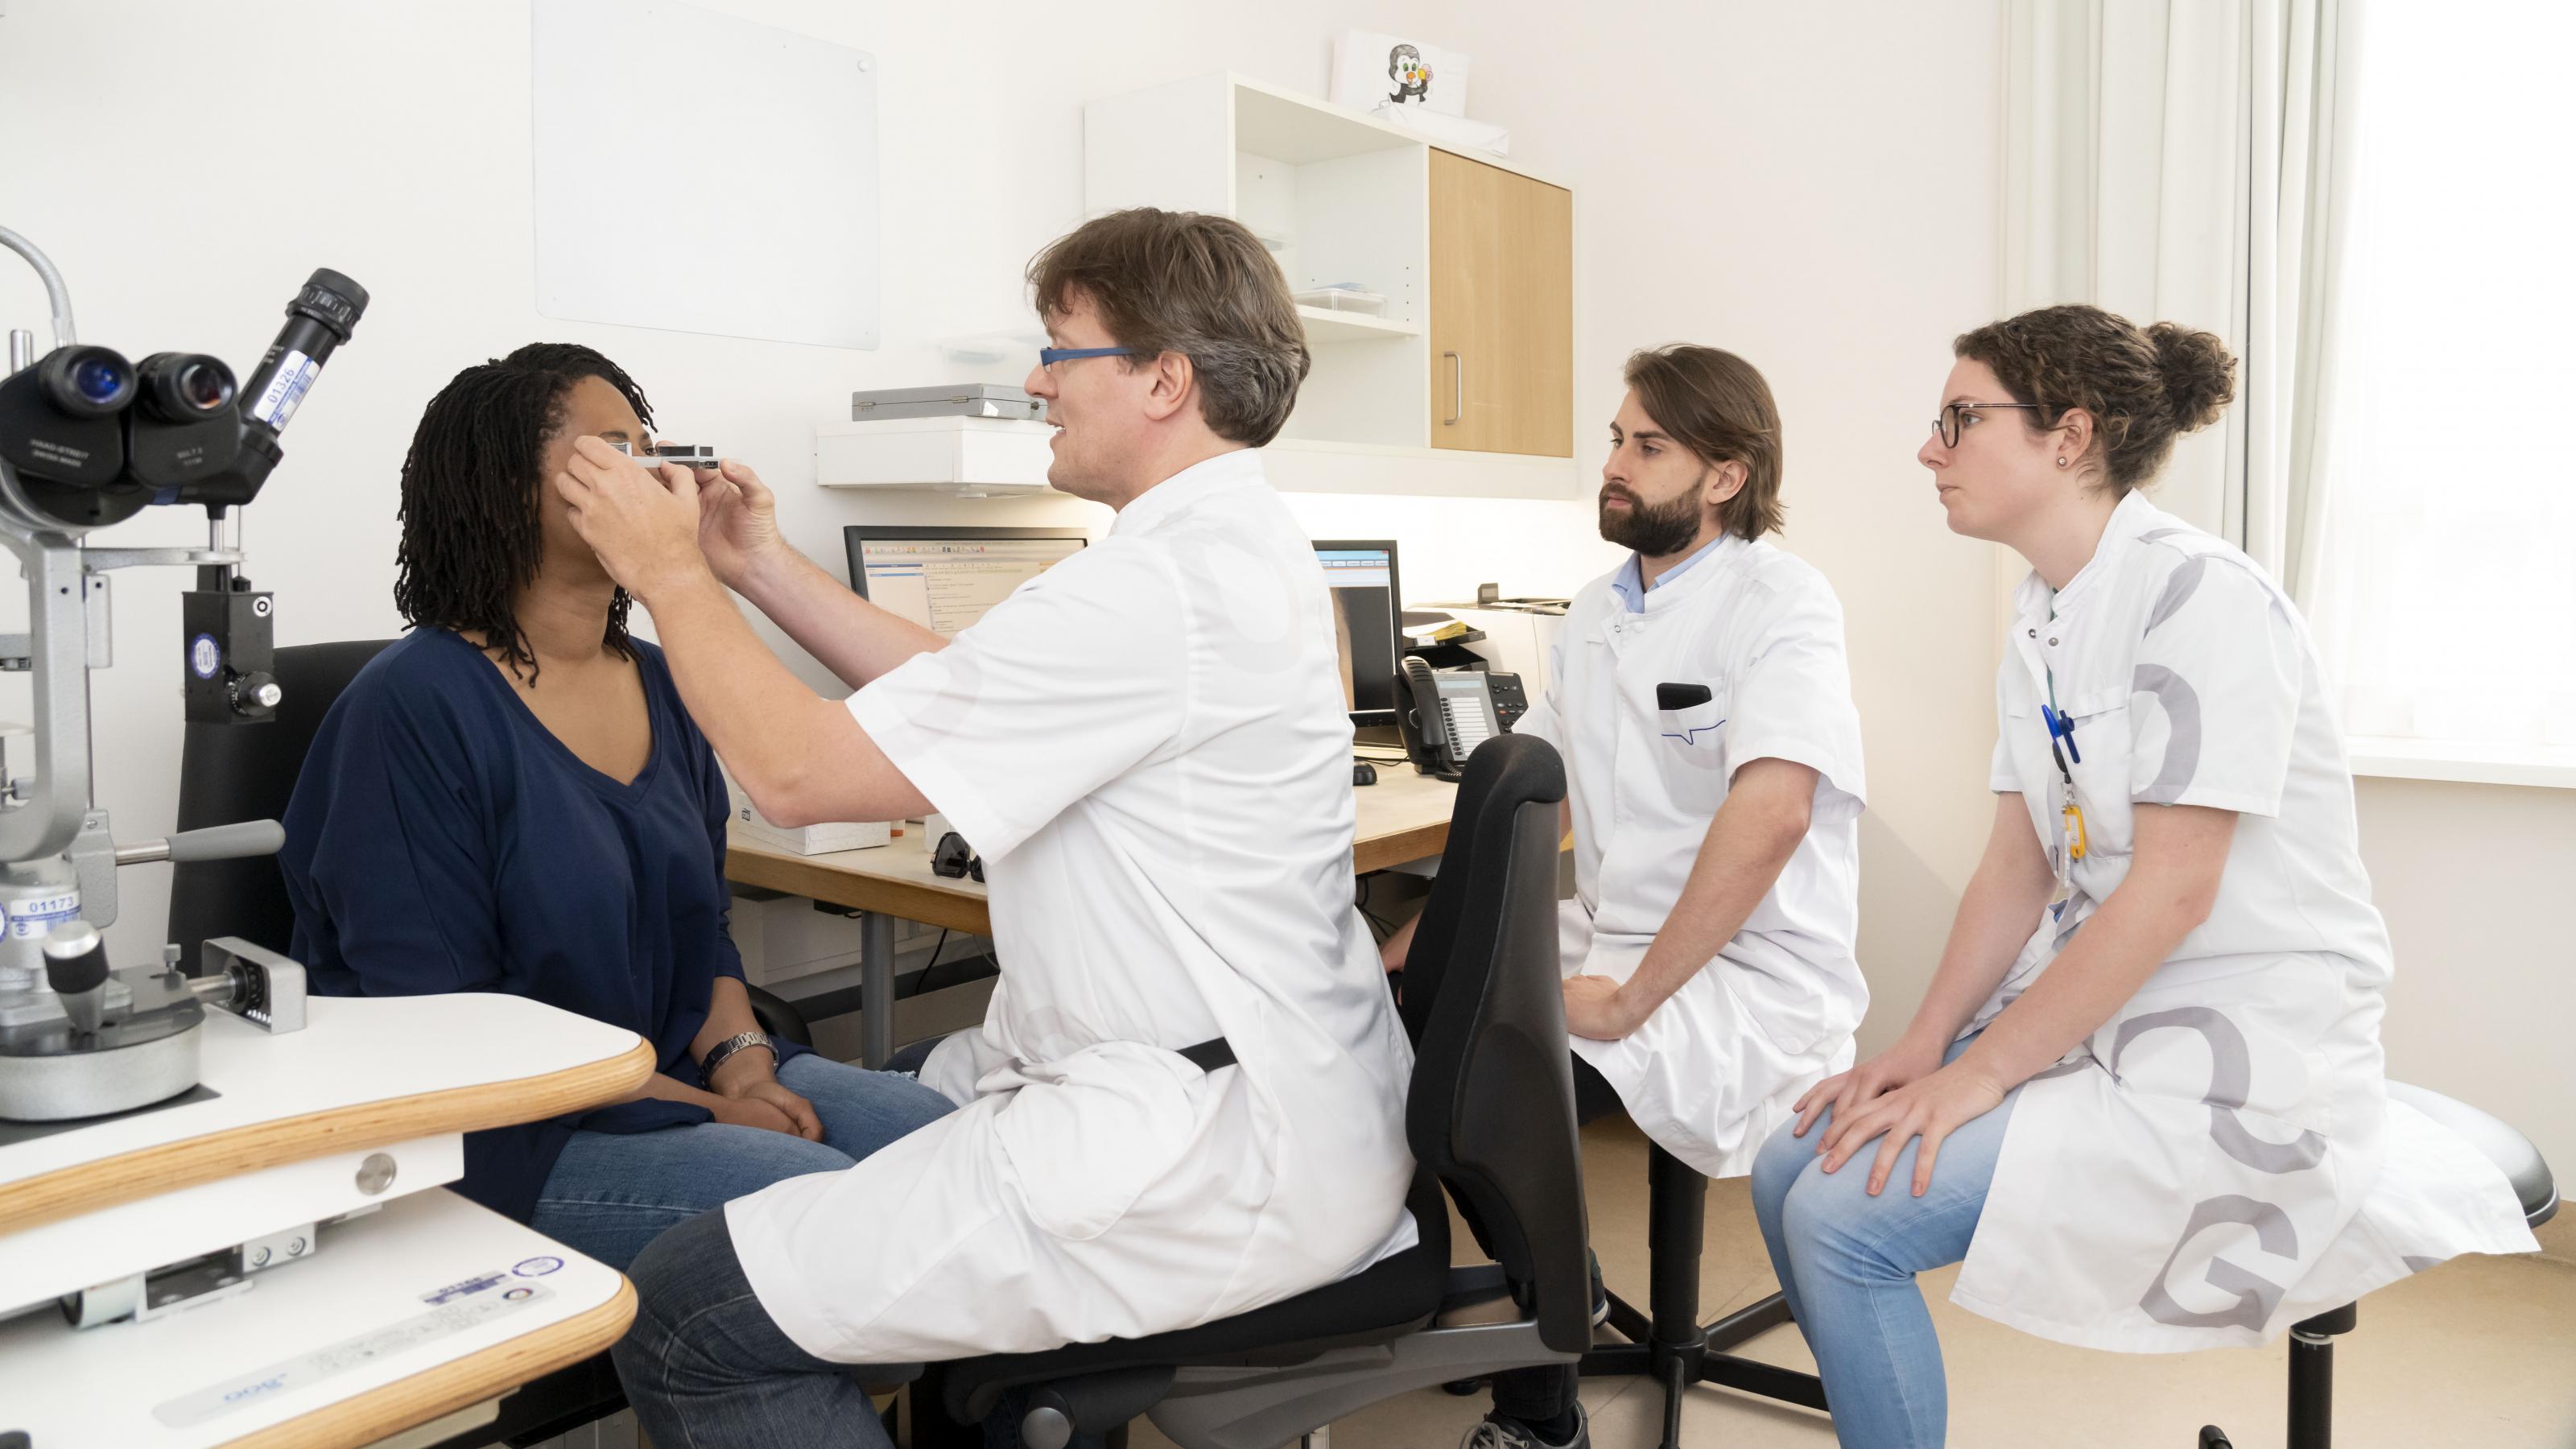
[2143, 1097]
[1187, 1099]
[1700, 698]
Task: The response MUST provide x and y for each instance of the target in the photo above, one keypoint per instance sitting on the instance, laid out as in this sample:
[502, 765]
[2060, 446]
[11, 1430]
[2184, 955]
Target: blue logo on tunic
[1692, 737]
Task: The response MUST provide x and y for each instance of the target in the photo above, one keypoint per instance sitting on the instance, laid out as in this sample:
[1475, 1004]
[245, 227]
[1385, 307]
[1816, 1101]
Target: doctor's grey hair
[1198, 285]
[2143, 386]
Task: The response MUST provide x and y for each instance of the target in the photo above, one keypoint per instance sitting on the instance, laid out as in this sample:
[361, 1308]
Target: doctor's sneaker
[1501, 1431]
[1600, 1294]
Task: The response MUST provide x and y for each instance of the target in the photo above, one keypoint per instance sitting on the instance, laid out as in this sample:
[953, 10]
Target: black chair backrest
[231, 773]
[1491, 1108]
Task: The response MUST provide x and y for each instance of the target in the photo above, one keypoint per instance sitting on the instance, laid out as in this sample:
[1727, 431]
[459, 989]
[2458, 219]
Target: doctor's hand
[642, 524]
[1907, 1061]
[737, 522]
[1600, 1008]
[1931, 1109]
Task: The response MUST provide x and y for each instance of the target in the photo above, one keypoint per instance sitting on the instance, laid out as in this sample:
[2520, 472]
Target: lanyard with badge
[2061, 747]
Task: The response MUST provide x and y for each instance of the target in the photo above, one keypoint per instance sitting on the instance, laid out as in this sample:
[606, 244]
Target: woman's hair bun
[2199, 375]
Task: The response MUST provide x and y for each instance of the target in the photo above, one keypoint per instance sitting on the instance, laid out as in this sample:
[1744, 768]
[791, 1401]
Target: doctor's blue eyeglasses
[1048, 357]
[1954, 418]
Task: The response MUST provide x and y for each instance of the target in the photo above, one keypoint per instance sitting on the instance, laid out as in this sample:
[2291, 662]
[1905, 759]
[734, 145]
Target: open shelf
[1323, 324]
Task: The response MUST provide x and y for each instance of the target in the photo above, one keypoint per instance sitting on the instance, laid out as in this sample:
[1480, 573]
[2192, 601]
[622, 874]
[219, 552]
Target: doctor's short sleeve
[2214, 698]
[1546, 719]
[1792, 698]
[1059, 689]
[2001, 777]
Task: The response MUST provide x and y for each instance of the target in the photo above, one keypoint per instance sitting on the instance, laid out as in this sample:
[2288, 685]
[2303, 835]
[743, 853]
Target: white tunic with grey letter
[1149, 748]
[1757, 635]
[2220, 1159]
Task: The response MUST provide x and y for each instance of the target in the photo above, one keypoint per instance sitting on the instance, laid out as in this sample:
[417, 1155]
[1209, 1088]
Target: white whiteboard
[699, 173]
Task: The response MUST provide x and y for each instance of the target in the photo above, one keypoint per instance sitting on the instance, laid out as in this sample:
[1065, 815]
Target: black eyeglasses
[1954, 418]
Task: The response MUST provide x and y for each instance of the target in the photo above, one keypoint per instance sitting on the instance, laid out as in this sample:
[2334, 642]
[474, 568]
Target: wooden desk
[1404, 817]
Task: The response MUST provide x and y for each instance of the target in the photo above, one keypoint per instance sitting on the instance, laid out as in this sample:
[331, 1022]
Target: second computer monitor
[945, 578]
[1368, 614]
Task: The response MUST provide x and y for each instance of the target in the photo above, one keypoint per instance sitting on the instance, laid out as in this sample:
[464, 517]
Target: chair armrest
[778, 1018]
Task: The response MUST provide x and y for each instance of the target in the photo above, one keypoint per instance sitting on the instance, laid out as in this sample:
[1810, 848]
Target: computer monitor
[945, 578]
[1368, 614]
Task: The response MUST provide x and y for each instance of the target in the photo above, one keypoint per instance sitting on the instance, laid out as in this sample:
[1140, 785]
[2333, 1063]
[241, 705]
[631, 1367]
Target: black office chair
[1490, 1117]
[2312, 1340]
[1669, 1343]
[230, 773]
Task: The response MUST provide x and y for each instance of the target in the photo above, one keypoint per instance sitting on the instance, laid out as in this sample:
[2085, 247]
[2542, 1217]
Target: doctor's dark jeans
[1847, 1261]
[706, 1367]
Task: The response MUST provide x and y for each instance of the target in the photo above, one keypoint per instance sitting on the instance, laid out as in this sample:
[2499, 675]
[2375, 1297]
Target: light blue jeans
[1847, 1262]
[611, 1193]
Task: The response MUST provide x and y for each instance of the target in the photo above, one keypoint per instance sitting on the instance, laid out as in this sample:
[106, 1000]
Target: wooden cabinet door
[1502, 310]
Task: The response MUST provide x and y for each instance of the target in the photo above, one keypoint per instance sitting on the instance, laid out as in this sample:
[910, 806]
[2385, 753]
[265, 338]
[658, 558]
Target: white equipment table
[398, 1316]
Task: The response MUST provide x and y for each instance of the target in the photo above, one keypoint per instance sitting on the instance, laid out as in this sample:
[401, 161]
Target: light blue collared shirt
[1629, 582]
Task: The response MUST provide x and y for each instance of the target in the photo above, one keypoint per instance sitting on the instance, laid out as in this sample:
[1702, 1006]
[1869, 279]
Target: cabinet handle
[1457, 389]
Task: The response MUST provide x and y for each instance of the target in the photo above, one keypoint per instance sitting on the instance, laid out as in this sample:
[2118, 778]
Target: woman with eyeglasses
[2143, 1098]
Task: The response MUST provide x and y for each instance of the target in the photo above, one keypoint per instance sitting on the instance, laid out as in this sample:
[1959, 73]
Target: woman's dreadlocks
[472, 489]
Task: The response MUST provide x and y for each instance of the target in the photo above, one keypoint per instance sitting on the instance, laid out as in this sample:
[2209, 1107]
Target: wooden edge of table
[906, 900]
[1402, 847]
[384, 1412]
[151, 1171]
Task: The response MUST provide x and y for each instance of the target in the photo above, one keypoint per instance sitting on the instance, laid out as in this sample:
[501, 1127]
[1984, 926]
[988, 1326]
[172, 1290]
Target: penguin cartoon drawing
[1412, 78]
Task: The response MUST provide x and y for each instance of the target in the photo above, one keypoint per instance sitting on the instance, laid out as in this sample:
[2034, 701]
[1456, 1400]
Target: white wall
[392, 143]
[2474, 880]
[1815, 190]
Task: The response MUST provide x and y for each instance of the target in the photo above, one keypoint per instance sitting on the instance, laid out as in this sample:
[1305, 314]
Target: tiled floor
[2477, 1354]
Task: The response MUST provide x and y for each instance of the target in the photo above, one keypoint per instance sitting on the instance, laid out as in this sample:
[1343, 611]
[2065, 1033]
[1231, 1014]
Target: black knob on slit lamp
[76, 967]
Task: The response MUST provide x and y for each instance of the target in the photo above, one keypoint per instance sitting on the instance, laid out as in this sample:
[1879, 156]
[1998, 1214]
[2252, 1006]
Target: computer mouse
[1363, 773]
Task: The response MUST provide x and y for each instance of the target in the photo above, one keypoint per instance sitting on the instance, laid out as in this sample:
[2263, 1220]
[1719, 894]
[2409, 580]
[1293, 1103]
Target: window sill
[2408, 759]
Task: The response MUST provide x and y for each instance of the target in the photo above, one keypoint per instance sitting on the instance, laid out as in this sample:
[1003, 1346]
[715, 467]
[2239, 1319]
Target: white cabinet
[1341, 199]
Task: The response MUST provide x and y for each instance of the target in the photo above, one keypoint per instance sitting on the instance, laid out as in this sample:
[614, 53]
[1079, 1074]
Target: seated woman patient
[510, 798]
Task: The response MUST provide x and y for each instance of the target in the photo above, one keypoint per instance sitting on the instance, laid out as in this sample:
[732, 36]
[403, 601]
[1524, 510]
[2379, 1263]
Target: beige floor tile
[2477, 1354]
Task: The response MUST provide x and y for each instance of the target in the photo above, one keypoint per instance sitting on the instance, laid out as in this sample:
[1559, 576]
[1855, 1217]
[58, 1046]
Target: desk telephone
[1444, 714]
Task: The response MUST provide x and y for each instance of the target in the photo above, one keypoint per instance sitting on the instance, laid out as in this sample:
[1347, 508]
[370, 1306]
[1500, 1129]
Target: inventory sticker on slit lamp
[453, 1309]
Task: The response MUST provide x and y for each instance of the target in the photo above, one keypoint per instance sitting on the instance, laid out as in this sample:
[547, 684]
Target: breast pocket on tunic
[1690, 744]
[2101, 721]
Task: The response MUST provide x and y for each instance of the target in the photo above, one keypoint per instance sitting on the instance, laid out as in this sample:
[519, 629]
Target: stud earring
[2061, 462]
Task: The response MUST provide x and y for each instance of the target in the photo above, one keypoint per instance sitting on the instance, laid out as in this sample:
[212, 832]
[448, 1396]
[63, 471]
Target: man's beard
[1657, 531]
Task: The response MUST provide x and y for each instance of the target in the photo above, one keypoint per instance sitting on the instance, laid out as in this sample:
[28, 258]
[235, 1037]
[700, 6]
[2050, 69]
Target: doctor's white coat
[1714, 1070]
[2220, 1159]
[1149, 748]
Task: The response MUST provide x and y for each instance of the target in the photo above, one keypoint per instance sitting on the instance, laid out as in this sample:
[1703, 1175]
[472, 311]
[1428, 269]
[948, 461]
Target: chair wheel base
[1464, 1388]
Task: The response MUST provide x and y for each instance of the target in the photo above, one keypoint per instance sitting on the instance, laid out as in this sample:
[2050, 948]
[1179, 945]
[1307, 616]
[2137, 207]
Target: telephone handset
[1442, 715]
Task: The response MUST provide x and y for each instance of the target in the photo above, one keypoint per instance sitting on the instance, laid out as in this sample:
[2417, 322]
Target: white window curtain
[2179, 160]
[2446, 601]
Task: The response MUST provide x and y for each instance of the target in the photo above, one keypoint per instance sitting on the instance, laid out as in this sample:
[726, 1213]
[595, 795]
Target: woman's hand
[794, 1108]
[753, 1077]
[1909, 1060]
[737, 522]
[1931, 1109]
[750, 1112]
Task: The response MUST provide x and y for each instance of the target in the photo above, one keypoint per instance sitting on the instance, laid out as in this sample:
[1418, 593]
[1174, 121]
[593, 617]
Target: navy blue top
[442, 839]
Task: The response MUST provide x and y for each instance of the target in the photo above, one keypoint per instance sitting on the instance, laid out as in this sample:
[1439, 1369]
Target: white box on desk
[811, 839]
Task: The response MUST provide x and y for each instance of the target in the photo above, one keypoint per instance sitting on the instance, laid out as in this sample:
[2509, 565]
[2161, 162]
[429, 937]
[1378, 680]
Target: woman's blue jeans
[1847, 1262]
[611, 1193]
